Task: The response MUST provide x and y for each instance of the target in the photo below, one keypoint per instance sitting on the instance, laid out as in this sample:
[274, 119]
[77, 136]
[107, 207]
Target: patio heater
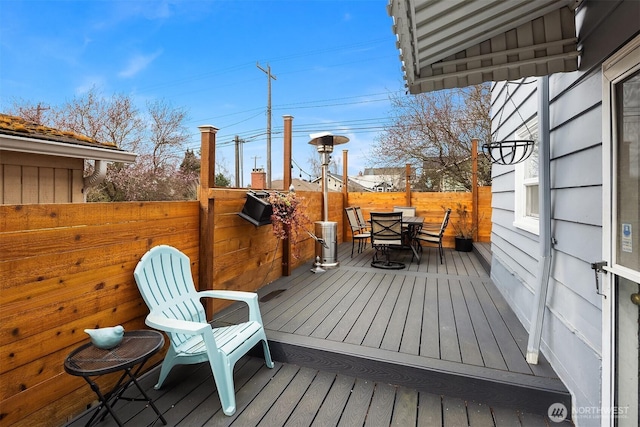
[326, 231]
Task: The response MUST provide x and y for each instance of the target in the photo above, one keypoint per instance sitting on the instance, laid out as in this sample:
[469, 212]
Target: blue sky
[335, 64]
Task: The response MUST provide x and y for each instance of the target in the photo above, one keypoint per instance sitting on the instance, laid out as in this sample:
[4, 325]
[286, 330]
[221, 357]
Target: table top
[136, 347]
[412, 219]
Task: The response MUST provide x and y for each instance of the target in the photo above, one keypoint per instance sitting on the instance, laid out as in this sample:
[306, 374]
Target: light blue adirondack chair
[164, 279]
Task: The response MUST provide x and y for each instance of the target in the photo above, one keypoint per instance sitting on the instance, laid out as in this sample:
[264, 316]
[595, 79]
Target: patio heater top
[324, 142]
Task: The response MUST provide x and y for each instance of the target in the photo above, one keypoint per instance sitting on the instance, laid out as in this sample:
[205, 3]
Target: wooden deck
[433, 344]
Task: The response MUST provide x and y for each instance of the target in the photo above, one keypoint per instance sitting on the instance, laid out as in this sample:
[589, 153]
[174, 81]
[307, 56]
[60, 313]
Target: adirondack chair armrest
[231, 295]
[250, 298]
[177, 326]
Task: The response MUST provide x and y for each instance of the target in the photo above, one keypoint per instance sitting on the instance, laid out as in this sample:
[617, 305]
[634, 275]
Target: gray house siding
[572, 336]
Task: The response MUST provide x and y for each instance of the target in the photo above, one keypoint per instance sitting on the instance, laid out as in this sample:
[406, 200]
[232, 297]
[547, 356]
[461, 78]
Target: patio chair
[386, 234]
[435, 236]
[164, 279]
[406, 210]
[361, 220]
[357, 232]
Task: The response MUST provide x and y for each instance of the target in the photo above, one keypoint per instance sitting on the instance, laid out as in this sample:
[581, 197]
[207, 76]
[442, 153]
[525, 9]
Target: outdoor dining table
[414, 224]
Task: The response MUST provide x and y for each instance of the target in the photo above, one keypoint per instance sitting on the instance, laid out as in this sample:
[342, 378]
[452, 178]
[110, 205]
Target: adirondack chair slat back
[166, 285]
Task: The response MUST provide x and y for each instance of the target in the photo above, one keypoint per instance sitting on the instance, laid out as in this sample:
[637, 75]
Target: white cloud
[88, 83]
[138, 63]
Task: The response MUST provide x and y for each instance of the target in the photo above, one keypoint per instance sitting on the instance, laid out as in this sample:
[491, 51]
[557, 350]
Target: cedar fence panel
[67, 267]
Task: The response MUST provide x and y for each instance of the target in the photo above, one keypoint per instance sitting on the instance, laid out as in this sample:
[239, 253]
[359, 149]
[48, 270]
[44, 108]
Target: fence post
[207, 181]
[407, 184]
[474, 186]
[286, 181]
[345, 190]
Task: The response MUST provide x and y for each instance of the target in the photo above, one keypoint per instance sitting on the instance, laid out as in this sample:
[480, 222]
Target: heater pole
[325, 193]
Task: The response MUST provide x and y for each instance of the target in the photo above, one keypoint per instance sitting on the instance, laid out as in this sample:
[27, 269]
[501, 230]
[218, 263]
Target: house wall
[35, 178]
[571, 338]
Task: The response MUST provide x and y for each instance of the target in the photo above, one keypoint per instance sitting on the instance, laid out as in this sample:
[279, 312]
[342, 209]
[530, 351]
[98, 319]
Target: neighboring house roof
[447, 44]
[353, 185]
[298, 184]
[17, 134]
[372, 182]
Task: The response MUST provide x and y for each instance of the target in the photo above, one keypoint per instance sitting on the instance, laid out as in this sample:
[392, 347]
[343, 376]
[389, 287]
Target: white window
[527, 207]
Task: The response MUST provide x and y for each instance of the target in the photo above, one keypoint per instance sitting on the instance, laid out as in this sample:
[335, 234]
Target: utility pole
[269, 77]
[237, 140]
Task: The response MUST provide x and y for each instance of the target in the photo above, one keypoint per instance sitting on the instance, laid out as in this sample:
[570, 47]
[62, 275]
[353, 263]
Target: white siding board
[524, 264]
[577, 275]
[519, 298]
[579, 240]
[503, 184]
[581, 169]
[503, 200]
[584, 96]
[575, 136]
[501, 171]
[583, 205]
[576, 364]
[570, 308]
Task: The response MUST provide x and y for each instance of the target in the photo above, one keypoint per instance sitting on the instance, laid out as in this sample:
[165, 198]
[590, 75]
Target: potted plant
[288, 219]
[464, 229]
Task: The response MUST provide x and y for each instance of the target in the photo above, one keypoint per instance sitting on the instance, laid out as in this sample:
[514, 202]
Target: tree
[433, 132]
[222, 181]
[157, 136]
[166, 132]
[315, 162]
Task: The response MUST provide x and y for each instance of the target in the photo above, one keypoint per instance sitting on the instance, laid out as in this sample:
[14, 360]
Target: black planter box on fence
[463, 244]
[257, 210]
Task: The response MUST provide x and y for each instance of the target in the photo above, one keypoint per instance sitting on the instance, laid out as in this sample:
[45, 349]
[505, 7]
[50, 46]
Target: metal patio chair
[406, 210]
[435, 236]
[386, 234]
[357, 231]
[361, 220]
[164, 279]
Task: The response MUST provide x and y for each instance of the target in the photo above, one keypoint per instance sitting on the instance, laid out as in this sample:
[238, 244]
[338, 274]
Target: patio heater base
[327, 243]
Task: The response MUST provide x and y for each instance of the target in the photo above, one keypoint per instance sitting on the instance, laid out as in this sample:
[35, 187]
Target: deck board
[413, 325]
[422, 346]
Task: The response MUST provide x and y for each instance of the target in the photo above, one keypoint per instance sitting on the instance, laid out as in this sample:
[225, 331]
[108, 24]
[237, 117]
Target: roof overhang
[457, 43]
[54, 148]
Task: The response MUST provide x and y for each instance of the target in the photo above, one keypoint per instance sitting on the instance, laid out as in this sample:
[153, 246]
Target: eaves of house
[17, 134]
[458, 43]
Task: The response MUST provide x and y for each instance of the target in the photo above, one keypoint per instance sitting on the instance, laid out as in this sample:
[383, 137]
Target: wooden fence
[430, 206]
[67, 267]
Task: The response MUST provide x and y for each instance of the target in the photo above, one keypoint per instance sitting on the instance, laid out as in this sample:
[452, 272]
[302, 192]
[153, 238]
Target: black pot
[257, 209]
[464, 244]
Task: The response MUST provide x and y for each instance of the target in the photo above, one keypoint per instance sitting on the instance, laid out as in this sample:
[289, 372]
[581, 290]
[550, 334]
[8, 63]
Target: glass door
[621, 237]
[627, 248]
[627, 357]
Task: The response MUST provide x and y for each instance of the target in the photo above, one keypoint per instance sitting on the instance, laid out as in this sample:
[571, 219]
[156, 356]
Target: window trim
[522, 221]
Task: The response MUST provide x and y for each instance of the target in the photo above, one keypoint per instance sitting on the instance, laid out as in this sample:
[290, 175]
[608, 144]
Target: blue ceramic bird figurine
[106, 338]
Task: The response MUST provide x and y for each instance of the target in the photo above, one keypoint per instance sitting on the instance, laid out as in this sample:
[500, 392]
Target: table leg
[147, 398]
[104, 403]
